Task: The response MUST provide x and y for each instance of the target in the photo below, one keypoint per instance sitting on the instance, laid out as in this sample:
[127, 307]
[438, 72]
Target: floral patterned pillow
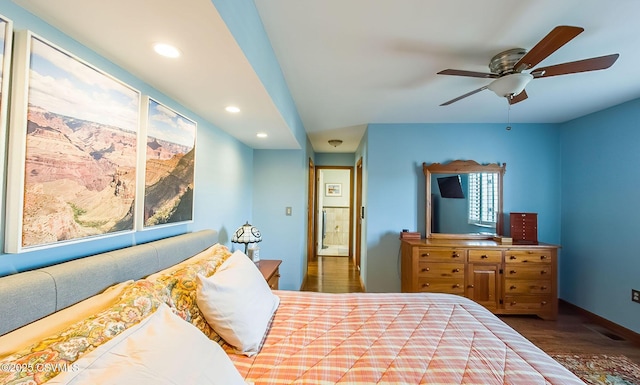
[178, 290]
[47, 358]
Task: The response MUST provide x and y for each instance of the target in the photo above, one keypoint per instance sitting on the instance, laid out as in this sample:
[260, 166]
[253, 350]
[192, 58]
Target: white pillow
[161, 349]
[238, 303]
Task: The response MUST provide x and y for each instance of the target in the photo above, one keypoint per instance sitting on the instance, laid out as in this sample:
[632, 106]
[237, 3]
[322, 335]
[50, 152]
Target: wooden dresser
[505, 278]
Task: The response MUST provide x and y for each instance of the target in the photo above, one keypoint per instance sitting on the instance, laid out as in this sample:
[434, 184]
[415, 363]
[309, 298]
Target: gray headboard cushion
[172, 251]
[24, 296]
[29, 296]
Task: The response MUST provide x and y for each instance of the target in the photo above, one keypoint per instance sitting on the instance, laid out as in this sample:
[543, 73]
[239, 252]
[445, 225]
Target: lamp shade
[246, 234]
[510, 85]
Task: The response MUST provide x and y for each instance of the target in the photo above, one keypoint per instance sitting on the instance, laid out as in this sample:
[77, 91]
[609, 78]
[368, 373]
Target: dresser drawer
[531, 272]
[528, 256]
[441, 270]
[529, 302]
[525, 286]
[490, 256]
[442, 255]
[274, 281]
[525, 234]
[441, 285]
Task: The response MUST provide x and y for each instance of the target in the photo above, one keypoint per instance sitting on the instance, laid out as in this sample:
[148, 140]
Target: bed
[135, 330]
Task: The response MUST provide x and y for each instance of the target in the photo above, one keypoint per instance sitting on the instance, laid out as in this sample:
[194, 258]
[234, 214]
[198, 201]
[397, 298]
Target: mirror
[463, 199]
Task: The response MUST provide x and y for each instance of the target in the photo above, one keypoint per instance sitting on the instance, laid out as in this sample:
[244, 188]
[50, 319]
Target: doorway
[334, 211]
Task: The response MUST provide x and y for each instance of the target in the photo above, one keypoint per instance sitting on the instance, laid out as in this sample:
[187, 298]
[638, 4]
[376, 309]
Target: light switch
[288, 211]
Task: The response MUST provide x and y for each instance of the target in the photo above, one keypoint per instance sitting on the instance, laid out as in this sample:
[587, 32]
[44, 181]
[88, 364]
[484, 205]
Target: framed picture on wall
[169, 166]
[6, 33]
[333, 189]
[72, 149]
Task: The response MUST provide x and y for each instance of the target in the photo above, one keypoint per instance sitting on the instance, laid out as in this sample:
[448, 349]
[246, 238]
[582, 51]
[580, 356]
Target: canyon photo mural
[80, 154]
[170, 167]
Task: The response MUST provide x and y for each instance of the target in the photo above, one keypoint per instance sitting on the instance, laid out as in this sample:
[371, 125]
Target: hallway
[332, 275]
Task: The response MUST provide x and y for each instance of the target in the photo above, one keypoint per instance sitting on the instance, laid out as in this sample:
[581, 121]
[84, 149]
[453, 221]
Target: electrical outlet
[635, 295]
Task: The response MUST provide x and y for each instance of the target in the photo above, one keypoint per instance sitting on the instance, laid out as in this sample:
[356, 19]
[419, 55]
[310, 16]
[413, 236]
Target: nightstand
[270, 269]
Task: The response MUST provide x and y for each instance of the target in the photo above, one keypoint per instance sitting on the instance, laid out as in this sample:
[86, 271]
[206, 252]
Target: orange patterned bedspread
[394, 339]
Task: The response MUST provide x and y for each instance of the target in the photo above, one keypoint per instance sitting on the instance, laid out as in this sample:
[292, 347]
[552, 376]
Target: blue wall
[396, 186]
[279, 182]
[335, 159]
[224, 167]
[600, 211]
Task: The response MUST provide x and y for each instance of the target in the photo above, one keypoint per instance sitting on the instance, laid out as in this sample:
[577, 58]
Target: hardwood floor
[570, 333]
[333, 275]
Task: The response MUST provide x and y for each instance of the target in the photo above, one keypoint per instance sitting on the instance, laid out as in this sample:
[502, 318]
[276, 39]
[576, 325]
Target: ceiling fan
[507, 67]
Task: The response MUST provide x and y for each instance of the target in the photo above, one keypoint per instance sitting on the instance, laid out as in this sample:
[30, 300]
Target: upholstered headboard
[31, 295]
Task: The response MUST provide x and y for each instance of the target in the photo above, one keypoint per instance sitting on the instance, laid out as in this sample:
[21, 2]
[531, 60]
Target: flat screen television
[450, 187]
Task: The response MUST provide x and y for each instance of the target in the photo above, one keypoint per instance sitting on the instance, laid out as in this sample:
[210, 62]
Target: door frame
[359, 217]
[311, 213]
[317, 191]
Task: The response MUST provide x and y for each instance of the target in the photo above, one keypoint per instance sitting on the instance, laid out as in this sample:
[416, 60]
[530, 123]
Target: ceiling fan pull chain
[509, 117]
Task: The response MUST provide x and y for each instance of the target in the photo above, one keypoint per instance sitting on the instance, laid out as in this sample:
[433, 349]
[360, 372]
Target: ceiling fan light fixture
[335, 142]
[510, 85]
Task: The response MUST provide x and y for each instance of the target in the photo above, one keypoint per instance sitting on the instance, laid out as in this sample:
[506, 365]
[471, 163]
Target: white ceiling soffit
[211, 73]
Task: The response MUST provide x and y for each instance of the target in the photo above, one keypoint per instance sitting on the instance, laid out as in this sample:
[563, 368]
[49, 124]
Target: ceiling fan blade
[558, 37]
[472, 74]
[593, 64]
[518, 98]
[464, 96]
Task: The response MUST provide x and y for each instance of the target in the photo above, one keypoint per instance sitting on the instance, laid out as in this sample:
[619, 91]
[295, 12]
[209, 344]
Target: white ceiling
[350, 63]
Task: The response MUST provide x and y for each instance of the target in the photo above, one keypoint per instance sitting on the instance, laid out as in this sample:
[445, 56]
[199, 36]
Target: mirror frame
[461, 167]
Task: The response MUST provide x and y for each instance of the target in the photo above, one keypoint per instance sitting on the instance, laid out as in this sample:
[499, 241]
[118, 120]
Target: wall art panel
[169, 166]
[73, 149]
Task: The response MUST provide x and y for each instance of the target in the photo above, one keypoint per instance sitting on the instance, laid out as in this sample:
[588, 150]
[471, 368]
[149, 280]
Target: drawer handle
[513, 303]
[512, 272]
[543, 303]
[455, 255]
[483, 257]
[543, 288]
[425, 254]
[457, 285]
[513, 257]
[470, 286]
[512, 288]
[425, 285]
[543, 272]
[456, 270]
[425, 269]
[543, 257]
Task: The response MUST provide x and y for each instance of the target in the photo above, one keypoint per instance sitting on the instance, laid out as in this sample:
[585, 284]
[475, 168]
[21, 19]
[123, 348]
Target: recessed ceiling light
[261, 135]
[232, 109]
[166, 50]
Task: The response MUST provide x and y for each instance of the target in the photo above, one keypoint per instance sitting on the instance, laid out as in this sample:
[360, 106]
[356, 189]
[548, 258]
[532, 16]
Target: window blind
[483, 198]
